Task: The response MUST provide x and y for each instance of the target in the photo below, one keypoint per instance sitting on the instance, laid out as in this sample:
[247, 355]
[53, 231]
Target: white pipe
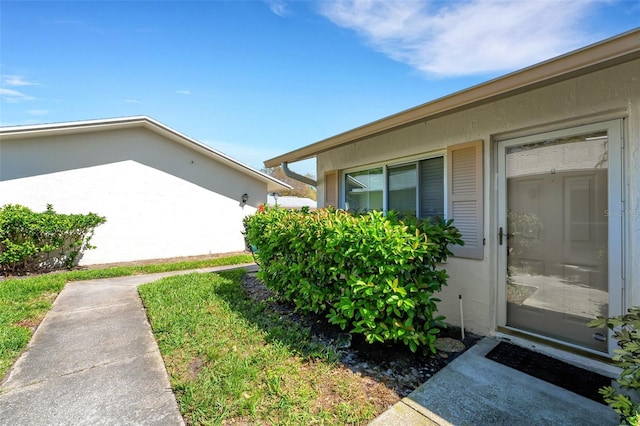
[461, 317]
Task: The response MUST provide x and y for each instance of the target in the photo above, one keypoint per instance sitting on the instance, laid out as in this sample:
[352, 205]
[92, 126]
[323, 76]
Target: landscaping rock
[448, 344]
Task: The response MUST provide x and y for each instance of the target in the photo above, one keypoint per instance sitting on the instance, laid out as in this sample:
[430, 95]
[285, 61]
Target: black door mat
[543, 367]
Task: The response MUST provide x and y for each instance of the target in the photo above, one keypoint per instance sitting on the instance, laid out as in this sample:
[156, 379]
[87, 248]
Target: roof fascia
[16, 132]
[607, 53]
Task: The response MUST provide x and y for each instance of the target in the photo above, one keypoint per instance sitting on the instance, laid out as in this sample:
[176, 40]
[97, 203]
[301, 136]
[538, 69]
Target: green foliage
[46, 241]
[626, 330]
[373, 273]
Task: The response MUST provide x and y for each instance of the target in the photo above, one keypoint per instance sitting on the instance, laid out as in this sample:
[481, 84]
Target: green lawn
[23, 304]
[233, 361]
[25, 301]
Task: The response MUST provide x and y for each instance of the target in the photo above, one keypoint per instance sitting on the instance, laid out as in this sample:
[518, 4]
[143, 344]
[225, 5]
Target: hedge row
[36, 242]
[374, 273]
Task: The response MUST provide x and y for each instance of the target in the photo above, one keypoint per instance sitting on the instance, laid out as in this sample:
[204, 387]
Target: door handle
[502, 234]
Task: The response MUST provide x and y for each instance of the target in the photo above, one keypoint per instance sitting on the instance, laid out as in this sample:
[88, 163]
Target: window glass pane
[432, 188]
[364, 190]
[403, 183]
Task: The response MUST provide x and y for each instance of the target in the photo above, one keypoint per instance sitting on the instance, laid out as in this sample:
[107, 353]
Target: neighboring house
[540, 169]
[163, 194]
[290, 202]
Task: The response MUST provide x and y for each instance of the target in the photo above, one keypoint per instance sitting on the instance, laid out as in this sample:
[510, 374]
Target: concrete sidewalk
[93, 361]
[473, 390]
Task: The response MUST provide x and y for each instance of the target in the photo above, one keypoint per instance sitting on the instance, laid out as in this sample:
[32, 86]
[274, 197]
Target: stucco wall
[160, 198]
[603, 95]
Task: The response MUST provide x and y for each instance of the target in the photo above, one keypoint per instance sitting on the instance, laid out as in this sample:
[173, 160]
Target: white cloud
[466, 37]
[279, 7]
[132, 101]
[16, 80]
[184, 92]
[20, 123]
[38, 112]
[13, 96]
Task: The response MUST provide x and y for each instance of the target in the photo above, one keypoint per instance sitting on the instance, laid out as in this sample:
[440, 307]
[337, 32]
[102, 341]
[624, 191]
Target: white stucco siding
[603, 95]
[160, 199]
[35, 156]
[469, 279]
[150, 214]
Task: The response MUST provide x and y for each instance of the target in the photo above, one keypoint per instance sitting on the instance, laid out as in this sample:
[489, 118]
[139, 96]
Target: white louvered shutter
[465, 207]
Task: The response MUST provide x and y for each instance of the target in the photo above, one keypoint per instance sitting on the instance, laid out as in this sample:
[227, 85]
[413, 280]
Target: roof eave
[616, 50]
[31, 130]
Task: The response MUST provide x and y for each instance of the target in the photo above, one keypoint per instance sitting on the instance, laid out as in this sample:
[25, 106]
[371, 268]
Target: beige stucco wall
[603, 95]
[161, 199]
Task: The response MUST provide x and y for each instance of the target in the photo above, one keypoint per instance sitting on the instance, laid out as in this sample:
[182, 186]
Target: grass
[23, 304]
[233, 361]
[230, 359]
[25, 301]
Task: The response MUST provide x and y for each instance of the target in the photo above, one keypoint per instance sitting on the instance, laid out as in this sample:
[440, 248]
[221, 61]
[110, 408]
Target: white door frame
[616, 237]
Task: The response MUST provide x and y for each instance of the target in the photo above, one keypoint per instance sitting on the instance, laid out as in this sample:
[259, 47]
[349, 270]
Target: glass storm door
[557, 238]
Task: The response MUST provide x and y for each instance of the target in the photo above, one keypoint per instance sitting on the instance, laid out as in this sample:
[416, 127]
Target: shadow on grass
[312, 336]
[276, 327]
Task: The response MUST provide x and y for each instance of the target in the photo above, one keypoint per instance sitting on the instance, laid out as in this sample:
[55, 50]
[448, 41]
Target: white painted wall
[603, 95]
[160, 199]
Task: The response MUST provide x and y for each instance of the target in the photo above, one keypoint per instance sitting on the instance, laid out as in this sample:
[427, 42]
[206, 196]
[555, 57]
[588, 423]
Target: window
[415, 188]
[364, 190]
[402, 187]
[418, 187]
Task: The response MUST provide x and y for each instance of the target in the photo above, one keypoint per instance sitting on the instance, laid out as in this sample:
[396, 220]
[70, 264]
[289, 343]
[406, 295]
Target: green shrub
[626, 329]
[374, 273]
[31, 241]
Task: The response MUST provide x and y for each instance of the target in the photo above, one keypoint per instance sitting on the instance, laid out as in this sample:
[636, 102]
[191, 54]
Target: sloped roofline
[72, 127]
[616, 50]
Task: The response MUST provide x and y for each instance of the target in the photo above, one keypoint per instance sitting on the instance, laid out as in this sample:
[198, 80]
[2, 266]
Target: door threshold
[596, 362]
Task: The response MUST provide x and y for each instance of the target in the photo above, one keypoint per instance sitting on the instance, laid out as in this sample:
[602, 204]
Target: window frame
[398, 162]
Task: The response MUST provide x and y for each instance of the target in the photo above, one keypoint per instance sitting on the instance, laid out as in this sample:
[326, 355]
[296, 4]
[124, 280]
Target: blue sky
[255, 79]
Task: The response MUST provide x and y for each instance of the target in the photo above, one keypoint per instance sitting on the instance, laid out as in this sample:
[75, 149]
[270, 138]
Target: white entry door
[560, 233]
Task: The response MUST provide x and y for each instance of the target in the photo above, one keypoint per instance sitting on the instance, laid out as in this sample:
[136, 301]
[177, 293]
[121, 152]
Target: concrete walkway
[93, 361]
[473, 390]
